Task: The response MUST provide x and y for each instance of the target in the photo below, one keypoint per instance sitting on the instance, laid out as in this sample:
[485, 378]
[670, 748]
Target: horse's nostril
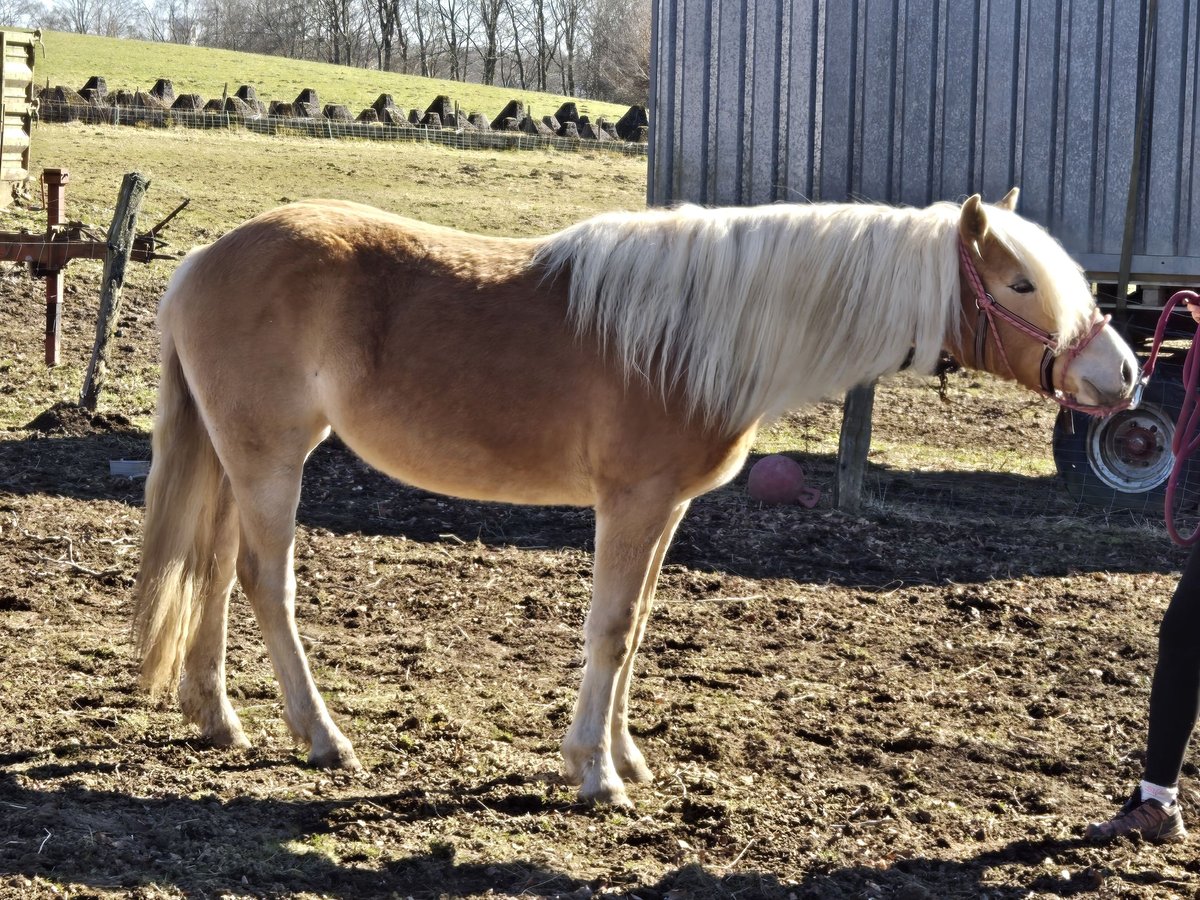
[1126, 372]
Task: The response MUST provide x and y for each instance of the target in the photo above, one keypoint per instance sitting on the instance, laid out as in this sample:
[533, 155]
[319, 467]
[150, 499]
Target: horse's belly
[507, 472]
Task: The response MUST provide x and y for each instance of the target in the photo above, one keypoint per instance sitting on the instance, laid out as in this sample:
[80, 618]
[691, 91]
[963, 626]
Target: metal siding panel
[801, 106]
[1190, 149]
[762, 148]
[673, 97]
[1122, 57]
[1072, 223]
[659, 161]
[1036, 174]
[695, 125]
[914, 163]
[1000, 89]
[1162, 186]
[731, 47]
[838, 111]
[958, 129]
[879, 112]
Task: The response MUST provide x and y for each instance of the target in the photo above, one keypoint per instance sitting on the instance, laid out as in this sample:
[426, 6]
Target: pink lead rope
[1186, 439]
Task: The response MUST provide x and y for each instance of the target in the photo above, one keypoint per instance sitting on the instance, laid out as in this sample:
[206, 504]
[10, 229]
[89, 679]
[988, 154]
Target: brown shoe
[1148, 818]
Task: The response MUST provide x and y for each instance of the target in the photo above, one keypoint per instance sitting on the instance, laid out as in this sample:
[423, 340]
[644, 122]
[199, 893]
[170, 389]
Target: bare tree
[173, 21]
[568, 22]
[22, 13]
[335, 25]
[455, 25]
[518, 55]
[422, 19]
[392, 37]
[488, 47]
[536, 40]
[617, 63]
[545, 39]
[79, 16]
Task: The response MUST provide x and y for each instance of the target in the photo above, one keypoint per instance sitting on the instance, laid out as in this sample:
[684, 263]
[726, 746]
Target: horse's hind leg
[268, 492]
[202, 694]
[629, 528]
[626, 756]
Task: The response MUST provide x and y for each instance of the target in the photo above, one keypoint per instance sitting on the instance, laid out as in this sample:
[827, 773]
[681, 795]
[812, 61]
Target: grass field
[232, 175]
[70, 59]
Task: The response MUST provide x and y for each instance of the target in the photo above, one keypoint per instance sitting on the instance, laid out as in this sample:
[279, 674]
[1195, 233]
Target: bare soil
[927, 700]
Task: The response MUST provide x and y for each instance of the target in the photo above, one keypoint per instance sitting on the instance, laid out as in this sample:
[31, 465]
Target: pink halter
[990, 311]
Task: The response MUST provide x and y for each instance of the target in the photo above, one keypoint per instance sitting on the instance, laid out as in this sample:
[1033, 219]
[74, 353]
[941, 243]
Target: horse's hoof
[573, 774]
[629, 762]
[607, 795]
[233, 738]
[335, 758]
[604, 788]
[635, 771]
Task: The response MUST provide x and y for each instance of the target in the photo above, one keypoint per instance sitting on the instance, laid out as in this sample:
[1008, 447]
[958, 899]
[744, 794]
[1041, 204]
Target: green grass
[70, 59]
[233, 175]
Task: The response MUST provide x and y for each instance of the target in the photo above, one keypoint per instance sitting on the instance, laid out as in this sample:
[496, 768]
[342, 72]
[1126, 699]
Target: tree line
[582, 48]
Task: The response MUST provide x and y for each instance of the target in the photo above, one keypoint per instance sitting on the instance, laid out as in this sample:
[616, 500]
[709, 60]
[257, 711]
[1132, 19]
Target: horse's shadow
[70, 833]
[932, 527]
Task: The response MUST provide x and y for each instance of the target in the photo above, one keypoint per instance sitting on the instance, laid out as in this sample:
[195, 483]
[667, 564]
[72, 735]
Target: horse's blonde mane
[752, 311]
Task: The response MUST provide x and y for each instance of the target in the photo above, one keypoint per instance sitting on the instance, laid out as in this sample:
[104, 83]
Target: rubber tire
[1165, 392]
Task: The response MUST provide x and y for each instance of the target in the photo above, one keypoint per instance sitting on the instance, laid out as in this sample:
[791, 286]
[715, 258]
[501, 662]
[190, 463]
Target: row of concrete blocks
[64, 104]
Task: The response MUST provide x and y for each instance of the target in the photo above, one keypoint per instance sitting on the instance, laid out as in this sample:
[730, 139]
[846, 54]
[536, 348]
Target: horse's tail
[189, 505]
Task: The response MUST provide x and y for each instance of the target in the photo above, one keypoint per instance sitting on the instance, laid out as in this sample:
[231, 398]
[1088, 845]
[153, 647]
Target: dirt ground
[927, 700]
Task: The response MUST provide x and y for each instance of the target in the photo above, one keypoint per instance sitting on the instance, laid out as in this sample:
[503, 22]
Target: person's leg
[1152, 809]
[1175, 691]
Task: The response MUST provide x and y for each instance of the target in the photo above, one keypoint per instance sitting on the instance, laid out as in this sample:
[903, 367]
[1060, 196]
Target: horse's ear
[972, 221]
[1010, 200]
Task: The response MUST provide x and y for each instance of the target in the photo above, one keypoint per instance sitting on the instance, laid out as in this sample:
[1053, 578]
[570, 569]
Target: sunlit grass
[70, 59]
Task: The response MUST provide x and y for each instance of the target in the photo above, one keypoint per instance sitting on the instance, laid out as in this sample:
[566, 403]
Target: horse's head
[1031, 316]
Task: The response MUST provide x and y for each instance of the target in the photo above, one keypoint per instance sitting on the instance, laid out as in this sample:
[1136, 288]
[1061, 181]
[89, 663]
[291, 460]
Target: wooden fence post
[853, 446]
[120, 245]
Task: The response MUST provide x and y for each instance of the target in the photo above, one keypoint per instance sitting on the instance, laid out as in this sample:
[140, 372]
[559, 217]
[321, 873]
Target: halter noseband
[990, 311]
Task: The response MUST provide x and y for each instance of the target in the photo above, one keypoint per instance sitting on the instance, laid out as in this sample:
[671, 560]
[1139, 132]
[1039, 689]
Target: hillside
[70, 59]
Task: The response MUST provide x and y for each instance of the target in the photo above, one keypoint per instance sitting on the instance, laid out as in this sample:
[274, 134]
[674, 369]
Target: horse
[624, 363]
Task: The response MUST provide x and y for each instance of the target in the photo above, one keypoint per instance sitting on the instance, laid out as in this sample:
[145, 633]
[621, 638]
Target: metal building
[1082, 103]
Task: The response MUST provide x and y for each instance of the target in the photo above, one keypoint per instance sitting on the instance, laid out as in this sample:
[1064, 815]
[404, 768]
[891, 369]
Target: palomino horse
[625, 363]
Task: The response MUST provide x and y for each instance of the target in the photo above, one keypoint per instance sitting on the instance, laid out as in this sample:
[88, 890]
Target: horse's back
[442, 358]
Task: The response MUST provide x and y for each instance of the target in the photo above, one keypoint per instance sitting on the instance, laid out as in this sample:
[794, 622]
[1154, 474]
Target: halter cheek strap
[985, 324]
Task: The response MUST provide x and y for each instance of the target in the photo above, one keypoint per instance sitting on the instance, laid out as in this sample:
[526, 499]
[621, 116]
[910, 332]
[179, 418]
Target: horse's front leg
[626, 756]
[629, 529]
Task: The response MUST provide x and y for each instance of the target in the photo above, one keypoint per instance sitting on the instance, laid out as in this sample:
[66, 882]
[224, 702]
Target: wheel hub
[1139, 445]
[1131, 451]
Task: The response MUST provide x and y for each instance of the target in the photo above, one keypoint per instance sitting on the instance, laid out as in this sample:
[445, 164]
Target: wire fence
[460, 137]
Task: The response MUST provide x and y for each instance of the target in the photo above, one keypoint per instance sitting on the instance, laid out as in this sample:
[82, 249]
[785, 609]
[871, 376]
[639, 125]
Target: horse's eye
[1022, 287]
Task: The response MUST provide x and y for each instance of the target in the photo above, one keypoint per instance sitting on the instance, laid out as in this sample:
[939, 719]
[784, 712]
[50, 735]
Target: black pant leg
[1175, 691]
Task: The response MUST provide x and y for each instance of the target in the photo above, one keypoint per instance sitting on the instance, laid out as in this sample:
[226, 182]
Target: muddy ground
[926, 700]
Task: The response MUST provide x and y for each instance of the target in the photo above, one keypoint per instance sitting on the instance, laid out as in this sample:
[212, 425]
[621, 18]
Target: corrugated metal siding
[912, 101]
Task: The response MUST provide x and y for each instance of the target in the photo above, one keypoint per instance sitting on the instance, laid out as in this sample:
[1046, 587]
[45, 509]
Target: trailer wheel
[1123, 461]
